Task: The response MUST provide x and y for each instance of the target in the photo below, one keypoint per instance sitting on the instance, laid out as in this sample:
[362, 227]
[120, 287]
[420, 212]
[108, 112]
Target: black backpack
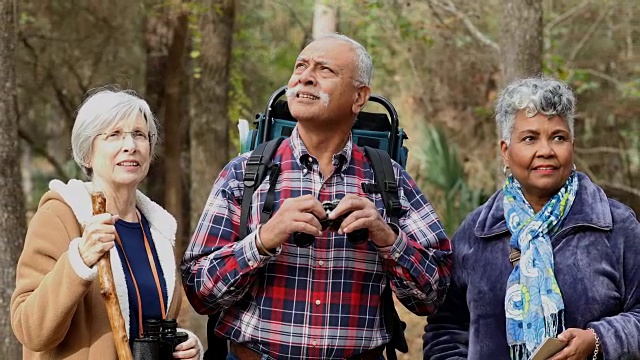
[379, 138]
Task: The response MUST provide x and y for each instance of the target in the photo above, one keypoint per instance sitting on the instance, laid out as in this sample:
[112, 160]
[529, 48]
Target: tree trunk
[521, 40]
[209, 127]
[172, 125]
[325, 18]
[157, 39]
[12, 219]
[209, 133]
[165, 42]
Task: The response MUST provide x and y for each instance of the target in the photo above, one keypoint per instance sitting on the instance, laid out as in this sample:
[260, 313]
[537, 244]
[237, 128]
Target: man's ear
[362, 96]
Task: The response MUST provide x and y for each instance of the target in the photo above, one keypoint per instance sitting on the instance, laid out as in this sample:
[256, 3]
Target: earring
[504, 171]
[574, 167]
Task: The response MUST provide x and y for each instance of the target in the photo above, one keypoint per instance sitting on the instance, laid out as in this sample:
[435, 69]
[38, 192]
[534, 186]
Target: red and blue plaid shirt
[320, 302]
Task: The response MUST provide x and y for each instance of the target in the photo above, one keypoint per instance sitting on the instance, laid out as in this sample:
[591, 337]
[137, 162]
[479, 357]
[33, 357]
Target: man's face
[322, 86]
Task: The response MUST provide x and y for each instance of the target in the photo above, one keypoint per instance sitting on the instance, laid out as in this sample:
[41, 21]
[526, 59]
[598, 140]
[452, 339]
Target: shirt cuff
[78, 265]
[252, 256]
[395, 250]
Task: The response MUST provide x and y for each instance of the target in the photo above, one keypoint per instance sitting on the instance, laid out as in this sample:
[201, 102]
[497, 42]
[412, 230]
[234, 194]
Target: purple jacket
[597, 265]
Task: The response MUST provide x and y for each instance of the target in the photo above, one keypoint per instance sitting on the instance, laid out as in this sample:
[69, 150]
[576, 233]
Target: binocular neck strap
[154, 270]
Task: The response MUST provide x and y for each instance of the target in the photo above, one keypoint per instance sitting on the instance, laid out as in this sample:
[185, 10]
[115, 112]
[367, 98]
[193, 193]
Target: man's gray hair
[101, 111]
[534, 95]
[363, 61]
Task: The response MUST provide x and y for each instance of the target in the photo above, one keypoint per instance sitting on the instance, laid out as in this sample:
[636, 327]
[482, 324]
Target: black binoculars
[159, 340]
[355, 237]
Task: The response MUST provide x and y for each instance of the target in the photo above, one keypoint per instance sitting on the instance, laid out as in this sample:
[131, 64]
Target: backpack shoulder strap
[385, 182]
[387, 187]
[254, 173]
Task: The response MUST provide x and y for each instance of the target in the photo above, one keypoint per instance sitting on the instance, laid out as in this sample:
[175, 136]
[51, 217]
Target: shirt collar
[304, 159]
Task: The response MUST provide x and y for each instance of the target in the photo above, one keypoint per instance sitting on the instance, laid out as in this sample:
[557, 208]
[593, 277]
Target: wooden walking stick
[108, 290]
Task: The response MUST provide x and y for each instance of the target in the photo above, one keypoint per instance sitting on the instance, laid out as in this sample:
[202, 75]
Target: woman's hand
[188, 349]
[581, 344]
[98, 237]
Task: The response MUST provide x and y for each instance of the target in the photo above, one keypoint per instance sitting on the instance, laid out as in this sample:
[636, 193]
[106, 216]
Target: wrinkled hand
[188, 349]
[98, 237]
[581, 344]
[299, 214]
[364, 215]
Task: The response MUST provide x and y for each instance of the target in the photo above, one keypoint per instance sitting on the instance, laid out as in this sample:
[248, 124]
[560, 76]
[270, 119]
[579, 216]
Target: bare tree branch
[33, 35]
[436, 15]
[587, 35]
[603, 76]
[76, 75]
[584, 167]
[41, 150]
[564, 16]
[600, 150]
[620, 187]
[293, 15]
[98, 58]
[307, 30]
[451, 8]
[62, 99]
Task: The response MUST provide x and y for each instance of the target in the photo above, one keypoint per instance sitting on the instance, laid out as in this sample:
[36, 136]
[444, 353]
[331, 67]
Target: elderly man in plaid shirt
[281, 301]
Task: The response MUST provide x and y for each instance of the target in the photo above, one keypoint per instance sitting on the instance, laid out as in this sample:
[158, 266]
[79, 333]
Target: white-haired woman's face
[540, 154]
[121, 155]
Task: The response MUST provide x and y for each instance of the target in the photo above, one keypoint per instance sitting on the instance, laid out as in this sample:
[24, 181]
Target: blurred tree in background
[12, 219]
[204, 64]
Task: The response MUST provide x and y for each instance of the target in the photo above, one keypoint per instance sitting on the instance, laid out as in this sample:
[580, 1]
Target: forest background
[204, 64]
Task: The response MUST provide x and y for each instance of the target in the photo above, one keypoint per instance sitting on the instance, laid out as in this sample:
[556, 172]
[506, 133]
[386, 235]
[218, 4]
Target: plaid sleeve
[218, 268]
[419, 262]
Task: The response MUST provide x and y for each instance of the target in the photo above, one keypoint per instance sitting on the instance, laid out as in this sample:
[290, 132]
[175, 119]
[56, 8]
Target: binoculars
[159, 340]
[355, 237]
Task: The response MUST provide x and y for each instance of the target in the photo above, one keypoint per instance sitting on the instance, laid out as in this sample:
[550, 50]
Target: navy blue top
[133, 242]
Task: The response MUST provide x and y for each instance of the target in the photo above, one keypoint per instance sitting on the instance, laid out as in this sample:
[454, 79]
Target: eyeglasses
[117, 136]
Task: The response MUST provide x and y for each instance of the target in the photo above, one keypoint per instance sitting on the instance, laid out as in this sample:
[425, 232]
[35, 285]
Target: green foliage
[195, 11]
[267, 39]
[631, 89]
[444, 179]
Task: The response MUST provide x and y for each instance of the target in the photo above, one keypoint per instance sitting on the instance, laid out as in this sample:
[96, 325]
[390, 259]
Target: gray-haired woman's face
[540, 154]
[121, 156]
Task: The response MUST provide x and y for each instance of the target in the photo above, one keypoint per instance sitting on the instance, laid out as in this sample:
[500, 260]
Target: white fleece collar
[163, 226]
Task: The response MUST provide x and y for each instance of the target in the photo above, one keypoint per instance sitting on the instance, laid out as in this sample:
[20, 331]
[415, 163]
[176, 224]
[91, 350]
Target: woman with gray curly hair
[548, 256]
[56, 309]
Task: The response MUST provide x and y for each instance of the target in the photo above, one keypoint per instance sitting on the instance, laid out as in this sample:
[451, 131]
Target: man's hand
[299, 214]
[581, 345]
[364, 216]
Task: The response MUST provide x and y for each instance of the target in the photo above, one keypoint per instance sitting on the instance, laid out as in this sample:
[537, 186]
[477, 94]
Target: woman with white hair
[56, 310]
[548, 256]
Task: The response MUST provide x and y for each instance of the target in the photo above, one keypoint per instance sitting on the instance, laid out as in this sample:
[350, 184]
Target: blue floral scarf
[533, 302]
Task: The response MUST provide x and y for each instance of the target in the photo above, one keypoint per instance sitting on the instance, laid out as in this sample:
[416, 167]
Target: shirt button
[314, 343]
[317, 302]
[251, 263]
[396, 256]
[320, 262]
